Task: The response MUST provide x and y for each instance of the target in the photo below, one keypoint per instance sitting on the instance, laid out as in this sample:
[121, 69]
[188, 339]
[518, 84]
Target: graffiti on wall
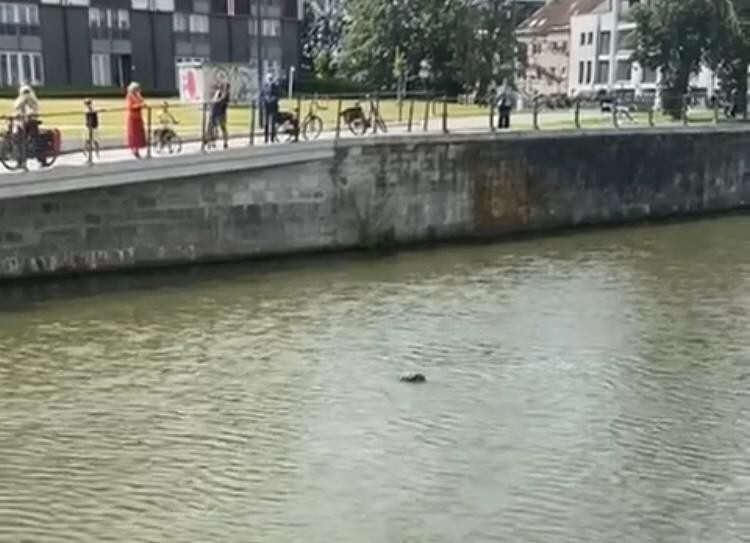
[198, 82]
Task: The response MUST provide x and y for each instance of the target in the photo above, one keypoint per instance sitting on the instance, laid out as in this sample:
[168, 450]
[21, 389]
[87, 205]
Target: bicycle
[18, 144]
[288, 124]
[166, 139]
[359, 122]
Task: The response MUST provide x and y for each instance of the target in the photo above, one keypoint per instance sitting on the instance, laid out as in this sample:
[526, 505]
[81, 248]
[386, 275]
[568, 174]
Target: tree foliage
[673, 37]
[322, 31]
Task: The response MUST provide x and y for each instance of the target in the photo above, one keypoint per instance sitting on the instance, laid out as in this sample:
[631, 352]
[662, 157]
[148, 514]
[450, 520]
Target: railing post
[651, 115]
[426, 124]
[203, 126]
[338, 118]
[298, 113]
[685, 110]
[577, 113]
[615, 120]
[253, 107]
[411, 115]
[400, 107]
[375, 108]
[23, 143]
[536, 113]
[90, 157]
[492, 115]
[716, 109]
[148, 131]
[445, 114]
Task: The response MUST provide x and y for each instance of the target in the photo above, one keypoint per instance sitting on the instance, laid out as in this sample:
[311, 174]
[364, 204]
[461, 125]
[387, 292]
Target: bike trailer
[51, 140]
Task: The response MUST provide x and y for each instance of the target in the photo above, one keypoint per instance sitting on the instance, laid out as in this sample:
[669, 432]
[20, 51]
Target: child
[92, 127]
[167, 123]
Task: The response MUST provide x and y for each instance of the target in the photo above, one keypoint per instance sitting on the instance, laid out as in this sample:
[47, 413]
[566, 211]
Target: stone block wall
[382, 191]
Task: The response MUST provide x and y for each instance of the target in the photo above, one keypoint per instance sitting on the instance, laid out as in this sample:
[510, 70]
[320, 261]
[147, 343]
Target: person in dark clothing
[270, 98]
[504, 99]
[219, 112]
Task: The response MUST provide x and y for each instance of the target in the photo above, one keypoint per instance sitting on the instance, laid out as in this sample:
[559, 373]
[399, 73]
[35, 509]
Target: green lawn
[68, 115]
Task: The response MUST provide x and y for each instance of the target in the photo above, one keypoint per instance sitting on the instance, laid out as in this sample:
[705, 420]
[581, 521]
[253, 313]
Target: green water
[583, 388]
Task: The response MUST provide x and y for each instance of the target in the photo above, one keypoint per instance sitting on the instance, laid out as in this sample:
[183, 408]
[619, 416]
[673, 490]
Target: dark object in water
[413, 378]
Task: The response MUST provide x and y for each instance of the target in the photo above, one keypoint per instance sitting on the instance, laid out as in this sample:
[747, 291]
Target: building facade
[545, 38]
[108, 43]
[602, 43]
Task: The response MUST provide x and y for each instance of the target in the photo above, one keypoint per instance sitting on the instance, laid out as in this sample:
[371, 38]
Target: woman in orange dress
[134, 105]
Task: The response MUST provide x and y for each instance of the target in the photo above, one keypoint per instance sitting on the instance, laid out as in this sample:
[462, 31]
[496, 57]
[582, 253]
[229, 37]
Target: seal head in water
[413, 378]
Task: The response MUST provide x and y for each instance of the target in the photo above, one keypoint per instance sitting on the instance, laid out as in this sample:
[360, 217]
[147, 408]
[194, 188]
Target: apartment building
[545, 38]
[602, 43]
[85, 43]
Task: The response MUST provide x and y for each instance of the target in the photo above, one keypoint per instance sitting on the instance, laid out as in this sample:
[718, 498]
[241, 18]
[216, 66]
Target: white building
[545, 36]
[601, 47]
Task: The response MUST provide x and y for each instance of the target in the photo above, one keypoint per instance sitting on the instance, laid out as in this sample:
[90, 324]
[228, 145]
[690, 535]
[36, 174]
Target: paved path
[478, 124]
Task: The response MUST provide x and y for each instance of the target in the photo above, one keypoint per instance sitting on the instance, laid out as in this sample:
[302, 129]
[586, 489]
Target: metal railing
[307, 118]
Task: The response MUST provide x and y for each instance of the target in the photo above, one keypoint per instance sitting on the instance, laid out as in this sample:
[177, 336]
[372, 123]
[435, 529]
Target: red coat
[136, 135]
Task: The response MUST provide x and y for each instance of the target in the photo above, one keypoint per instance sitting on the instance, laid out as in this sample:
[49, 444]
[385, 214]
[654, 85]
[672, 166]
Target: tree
[673, 36]
[489, 46]
[729, 48]
[421, 30]
[322, 30]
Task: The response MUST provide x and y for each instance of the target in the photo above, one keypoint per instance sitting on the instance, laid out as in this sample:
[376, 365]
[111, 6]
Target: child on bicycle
[167, 123]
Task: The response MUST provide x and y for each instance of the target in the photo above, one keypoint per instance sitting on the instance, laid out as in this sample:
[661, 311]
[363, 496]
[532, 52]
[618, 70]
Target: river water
[591, 387]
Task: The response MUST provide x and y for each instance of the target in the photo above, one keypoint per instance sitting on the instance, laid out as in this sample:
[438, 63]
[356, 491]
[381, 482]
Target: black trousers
[503, 120]
[269, 126]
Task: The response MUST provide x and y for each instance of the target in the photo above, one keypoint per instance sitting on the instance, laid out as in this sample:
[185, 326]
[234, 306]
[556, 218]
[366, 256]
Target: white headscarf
[27, 102]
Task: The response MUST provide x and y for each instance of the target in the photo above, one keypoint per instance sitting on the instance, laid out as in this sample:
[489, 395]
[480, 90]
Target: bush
[308, 84]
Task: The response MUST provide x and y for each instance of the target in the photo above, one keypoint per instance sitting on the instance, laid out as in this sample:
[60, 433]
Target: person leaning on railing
[134, 104]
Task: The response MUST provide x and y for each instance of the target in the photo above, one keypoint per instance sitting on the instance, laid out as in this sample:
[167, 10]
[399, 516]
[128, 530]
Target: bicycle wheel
[312, 128]
[174, 144]
[357, 126]
[10, 153]
[47, 159]
[380, 123]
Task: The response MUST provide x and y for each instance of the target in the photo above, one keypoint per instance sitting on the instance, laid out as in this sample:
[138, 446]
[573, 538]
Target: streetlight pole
[66, 40]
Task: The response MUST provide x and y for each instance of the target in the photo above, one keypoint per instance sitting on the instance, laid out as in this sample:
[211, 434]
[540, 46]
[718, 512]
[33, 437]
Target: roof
[556, 15]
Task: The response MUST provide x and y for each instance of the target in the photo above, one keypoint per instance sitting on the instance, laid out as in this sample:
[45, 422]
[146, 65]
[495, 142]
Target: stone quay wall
[329, 196]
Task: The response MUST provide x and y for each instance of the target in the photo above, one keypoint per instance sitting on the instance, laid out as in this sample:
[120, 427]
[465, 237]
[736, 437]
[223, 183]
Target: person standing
[504, 101]
[136, 134]
[219, 106]
[270, 97]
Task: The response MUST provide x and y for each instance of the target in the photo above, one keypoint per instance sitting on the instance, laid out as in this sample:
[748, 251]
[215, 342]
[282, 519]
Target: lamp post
[66, 41]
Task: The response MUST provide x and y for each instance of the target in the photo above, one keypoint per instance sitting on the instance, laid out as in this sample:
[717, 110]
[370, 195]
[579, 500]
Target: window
[180, 22]
[649, 75]
[198, 24]
[220, 7]
[583, 39]
[605, 39]
[602, 71]
[624, 70]
[626, 40]
[580, 72]
[17, 68]
[590, 38]
[79, 3]
[536, 48]
[101, 70]
[241, 7]
[202, 6]
[271, 27]
[123, 19]
[588, 71]
[252, 27]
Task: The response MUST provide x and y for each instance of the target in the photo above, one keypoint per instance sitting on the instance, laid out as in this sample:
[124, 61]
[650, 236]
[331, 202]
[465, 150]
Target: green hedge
[312, 85]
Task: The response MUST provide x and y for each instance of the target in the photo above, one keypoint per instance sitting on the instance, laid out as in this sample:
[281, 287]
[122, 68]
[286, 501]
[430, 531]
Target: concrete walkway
[478, 124]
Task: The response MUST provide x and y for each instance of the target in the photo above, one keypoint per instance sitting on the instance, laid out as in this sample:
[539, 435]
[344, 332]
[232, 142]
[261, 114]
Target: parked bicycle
[360, 122]
[288, 125]
[23, 140]
[168, 140]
